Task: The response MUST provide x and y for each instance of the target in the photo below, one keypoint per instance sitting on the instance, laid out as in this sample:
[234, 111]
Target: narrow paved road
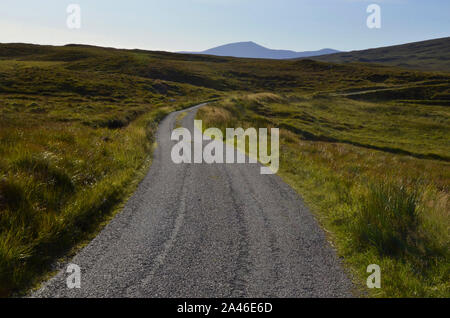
[199, 230]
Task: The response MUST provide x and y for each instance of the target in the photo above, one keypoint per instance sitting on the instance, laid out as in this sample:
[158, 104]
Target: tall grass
[388, 218]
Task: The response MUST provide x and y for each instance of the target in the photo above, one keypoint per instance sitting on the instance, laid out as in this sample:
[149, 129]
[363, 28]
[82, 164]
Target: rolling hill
[253, 50]
[431, 55]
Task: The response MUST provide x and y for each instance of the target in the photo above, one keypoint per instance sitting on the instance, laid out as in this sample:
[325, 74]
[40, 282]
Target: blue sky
[175, 25]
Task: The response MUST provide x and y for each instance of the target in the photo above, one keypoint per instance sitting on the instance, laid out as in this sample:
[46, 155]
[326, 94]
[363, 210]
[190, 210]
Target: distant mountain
[253, 50]
[431, 55]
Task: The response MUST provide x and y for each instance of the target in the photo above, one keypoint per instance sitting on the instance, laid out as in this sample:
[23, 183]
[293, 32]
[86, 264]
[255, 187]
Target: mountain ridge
[251, 49]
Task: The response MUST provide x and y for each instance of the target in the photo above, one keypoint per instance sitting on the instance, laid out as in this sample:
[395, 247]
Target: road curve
[199, 230]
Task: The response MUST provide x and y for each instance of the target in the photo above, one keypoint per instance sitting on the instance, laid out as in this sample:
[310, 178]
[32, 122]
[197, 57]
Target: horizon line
[181, 52]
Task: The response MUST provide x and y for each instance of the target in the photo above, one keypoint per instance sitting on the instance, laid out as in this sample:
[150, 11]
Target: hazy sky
[175, 25]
